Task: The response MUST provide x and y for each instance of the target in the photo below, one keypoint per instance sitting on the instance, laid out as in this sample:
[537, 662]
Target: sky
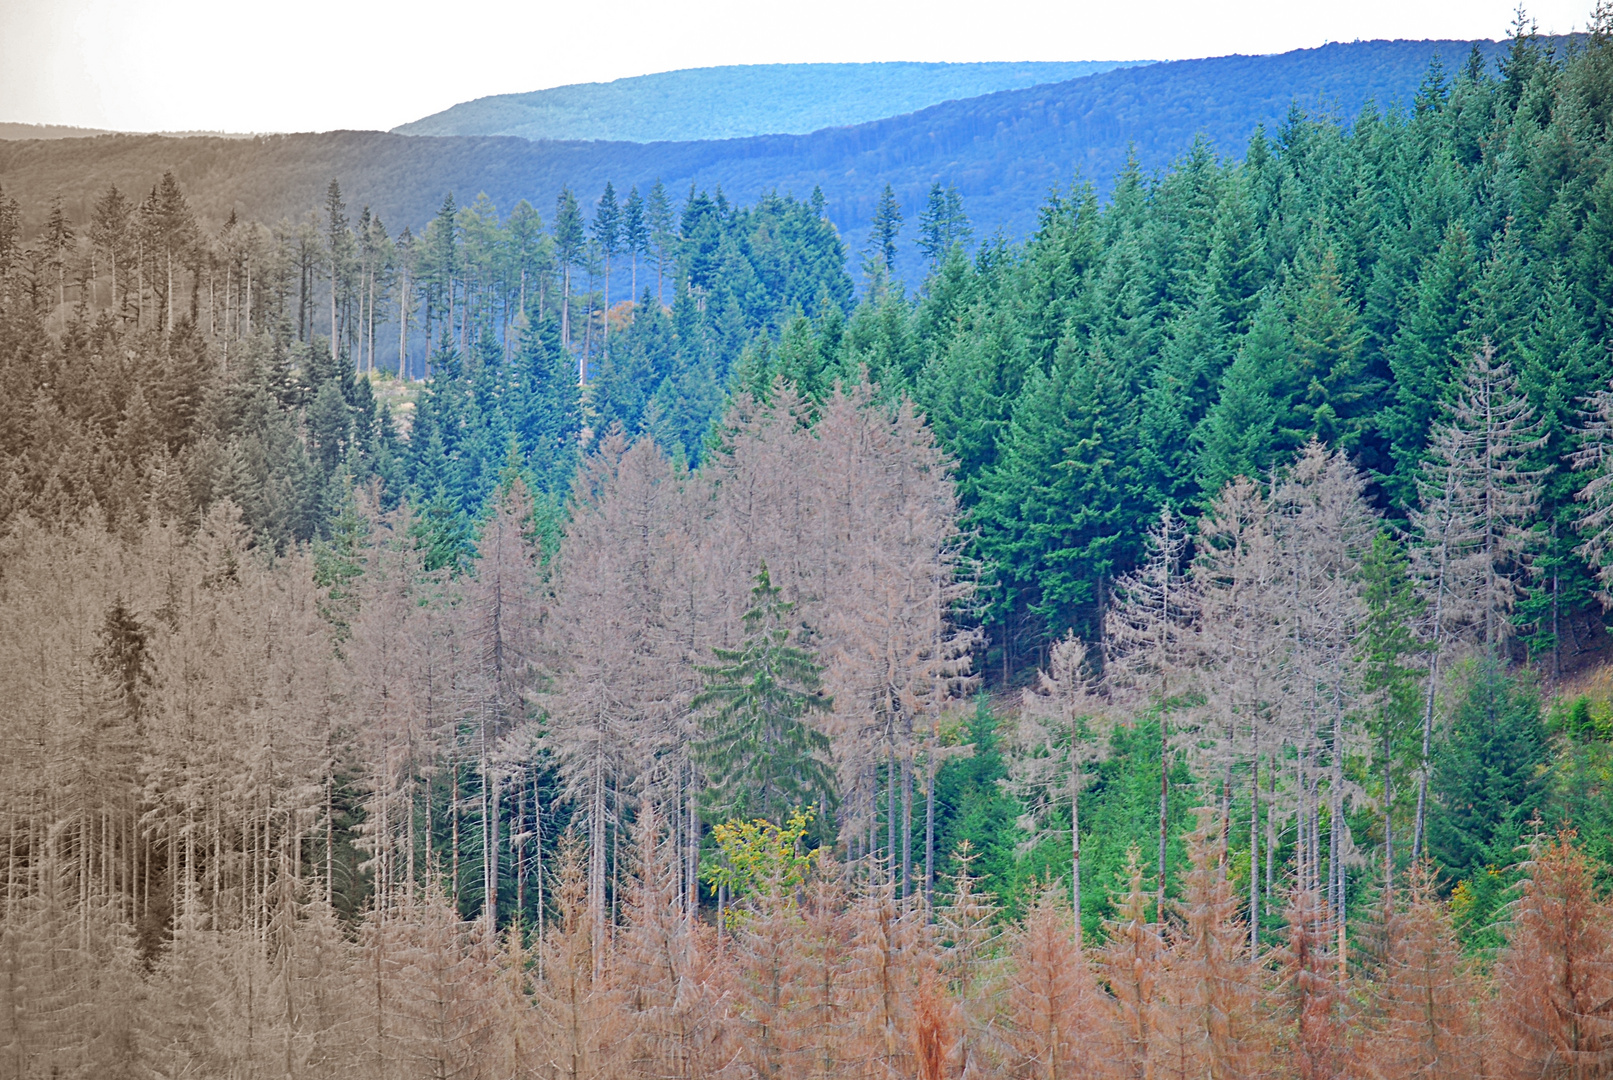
[318, 65]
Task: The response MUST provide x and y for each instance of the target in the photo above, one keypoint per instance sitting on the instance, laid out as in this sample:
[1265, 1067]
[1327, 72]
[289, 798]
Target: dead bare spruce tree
[1062, 727]
[1475, 497]
[1243, 647]
[502, 600]
[890, 519]
[1149, 632]
[855, 517]
[402, 727]
[1277, 577]
[1324, 530]
[614, 685]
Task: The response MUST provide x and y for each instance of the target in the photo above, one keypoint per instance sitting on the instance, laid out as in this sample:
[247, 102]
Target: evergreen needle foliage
[760, 750]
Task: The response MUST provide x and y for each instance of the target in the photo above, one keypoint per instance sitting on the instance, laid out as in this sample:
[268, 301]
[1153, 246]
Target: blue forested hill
[739, 100]
[1003, 151]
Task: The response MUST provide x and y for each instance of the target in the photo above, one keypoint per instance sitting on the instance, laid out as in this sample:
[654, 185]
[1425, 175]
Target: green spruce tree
[758, 745]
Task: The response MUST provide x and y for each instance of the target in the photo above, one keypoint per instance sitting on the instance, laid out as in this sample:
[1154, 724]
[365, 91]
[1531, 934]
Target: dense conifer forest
[638, 636]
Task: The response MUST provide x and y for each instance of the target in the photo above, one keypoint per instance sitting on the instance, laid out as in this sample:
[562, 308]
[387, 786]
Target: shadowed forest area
[652, 641]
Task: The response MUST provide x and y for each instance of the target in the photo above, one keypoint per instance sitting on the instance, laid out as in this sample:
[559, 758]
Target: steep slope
[1003, 150]
[739, 100]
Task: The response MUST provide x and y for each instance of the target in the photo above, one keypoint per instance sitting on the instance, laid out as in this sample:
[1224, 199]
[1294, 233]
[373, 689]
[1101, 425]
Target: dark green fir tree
[761, 752]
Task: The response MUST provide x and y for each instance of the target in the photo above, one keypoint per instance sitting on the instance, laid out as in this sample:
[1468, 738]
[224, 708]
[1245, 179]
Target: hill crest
[741, 100]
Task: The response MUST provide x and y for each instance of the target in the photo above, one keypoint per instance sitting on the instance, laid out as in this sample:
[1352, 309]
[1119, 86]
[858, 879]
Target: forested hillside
[1003, 151]
[739, 100]
[1164, 646]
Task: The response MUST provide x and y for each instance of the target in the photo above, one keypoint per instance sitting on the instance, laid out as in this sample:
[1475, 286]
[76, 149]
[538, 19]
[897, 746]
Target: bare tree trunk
[907, 826]
[409, 837]
[380, 1007]
[230, 307]
[891, 783]
[1302, 835]
[517, 852]
[1075, 835]
[453, 811]
[369, 326]
[929, 826]
[588, 328]
[872, 853]
[490, 842]
[616, 862]
[565, 315]
[1388, 818]
[1336, 797]
[694, 847]
[333, 303]
[537, 869]
[1254, 854]
[1164, 807]
[1428, 736]
[403, 327]
[596, 858]
[1271, 831]
[330, 838]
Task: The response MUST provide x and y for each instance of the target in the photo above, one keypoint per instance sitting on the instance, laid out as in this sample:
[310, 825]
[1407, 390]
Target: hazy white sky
[300, 65]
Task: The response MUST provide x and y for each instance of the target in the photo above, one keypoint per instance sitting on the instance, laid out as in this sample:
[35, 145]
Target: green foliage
[338, 563]
[1581, 794]
[759, 749]
[1491, 778]
[1065, 504]
[973, 806]
[943, 225]
[756, 856]
[882, 234]
[1120, 814]
[1119, 811]
[444, 536]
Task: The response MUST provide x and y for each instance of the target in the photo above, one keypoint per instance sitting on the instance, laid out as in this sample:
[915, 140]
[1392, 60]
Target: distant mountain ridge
[1003, 151]
[9, 130]
[741, 100]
